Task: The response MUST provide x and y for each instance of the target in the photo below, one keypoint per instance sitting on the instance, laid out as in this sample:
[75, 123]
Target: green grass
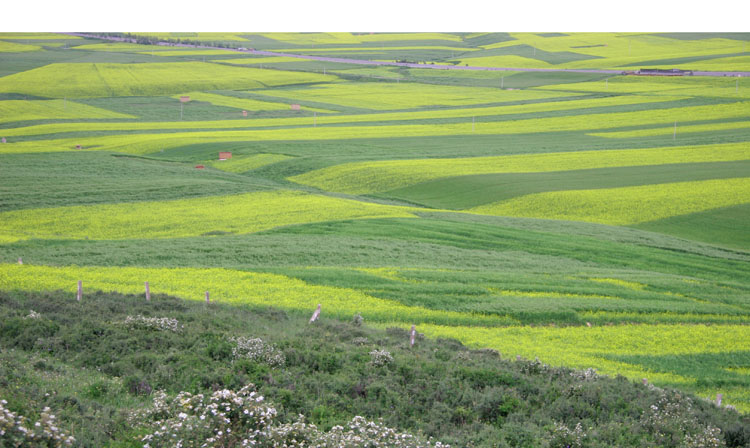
[385, 175]
[91, 383]
[69, 178]
[158, 78]
[470, 191]
[248, 232]
[626, 205]
[242, 213]
[726, 226]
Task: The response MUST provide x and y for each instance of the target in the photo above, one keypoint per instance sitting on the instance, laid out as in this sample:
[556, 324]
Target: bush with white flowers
[381, 358]
[153, 323]
[224, 418]
[243, 419]
[16, 431]
[256, 349]
[33, 315]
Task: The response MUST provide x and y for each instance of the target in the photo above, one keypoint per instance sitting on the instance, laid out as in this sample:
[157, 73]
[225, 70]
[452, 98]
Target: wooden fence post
[148, 293]
[718, 399]
[315, 315]
[80, 291]
[413, 335]
[207, 299]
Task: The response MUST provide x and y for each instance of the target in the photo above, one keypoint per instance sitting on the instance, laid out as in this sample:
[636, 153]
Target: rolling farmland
[592, 221]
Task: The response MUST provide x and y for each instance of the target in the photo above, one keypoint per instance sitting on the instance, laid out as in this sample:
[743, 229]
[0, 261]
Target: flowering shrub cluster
[14, 430]
[256, 349]
[33, 315]
[585, 375]
[381, 358]
[243, 419]
[670, 418]
[225, 418]
[564, 437]
[360, 432]
[155, 323]
[360, 340]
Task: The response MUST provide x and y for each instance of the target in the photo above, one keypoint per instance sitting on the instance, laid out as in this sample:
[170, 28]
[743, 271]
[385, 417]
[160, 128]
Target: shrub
[381, 358]
[257, 350]
[153, 323]
[14, 430]
[242, 418]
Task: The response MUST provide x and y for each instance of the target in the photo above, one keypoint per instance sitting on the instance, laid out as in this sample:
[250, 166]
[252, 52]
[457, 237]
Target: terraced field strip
[628, 205]
[36, 36]
[90, 80]
[13, 47]
[204, 36]
[259, 60]
[241, 164]
[230, 101]
[690, 86]
[379, 176]
[599, 347]
[125, 47]
[504, 61]
[229, 286]
[189, 52]
[674, 130]
[529, 299]
[374, 49]
[244, 213]
[616, 50]
[18, 110]
[143, 144]
[354, 39]
[224, 100]
[389, 96]
[469, 191]
[734, 63]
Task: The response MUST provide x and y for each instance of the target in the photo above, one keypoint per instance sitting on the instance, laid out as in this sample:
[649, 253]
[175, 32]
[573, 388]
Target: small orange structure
[295, 107]
[244, 113]
[225, 155]
[200, 167]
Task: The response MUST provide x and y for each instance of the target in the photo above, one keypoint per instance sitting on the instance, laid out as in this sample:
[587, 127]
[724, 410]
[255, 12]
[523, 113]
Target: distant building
[663, 72]
[225, 155]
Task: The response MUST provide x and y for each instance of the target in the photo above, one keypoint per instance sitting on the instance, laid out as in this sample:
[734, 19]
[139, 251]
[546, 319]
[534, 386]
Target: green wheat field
[587, 219]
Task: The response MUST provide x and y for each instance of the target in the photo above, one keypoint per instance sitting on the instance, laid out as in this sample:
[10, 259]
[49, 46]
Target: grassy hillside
[591, 221]
[122, 351]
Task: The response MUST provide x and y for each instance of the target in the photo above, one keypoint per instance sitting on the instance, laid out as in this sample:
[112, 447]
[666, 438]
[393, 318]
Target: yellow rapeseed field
[18, 110]
[584, 347]
[229, 286]
[243, 213]
[241, 164]
[368, 177]
[87, 80]
[627, 205]
[560, 105]
[388, 96]
[13, 47]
